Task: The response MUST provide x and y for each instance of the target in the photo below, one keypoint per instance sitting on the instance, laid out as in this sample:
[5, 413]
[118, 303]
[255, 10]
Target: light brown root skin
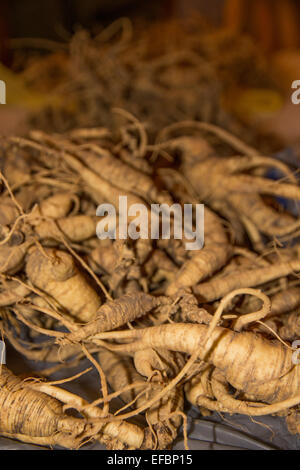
[12, 257]
[13, 293]
[55, 272]
[205, 262]
[213, 176]
[116, 313]
[220, 286]
[56, 206]
[32, 416]
[291, 329]
[33, 413]
[121, 373]
[293, 422]
[285, 301]
[76, 228]
[262, 369]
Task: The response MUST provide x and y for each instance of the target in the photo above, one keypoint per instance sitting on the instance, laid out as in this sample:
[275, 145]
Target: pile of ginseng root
[162, 326]
[162, 72]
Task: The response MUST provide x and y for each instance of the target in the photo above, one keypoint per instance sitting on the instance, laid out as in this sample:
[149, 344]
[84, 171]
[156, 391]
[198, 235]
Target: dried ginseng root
[114, 314]
[228, 184]
[33, 413]
[267, 377]
[164, 417]
[55, 272]
[205, 262]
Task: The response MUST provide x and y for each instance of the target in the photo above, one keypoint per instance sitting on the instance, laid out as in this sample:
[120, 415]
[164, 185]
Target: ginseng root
[55, 272]
[261, 369]
[205, 262]
[163, 418]
[220, 286]
[116, 313]
[33, 413]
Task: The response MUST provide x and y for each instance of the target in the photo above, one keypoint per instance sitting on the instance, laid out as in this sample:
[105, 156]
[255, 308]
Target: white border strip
[2, 92]
[2, 353]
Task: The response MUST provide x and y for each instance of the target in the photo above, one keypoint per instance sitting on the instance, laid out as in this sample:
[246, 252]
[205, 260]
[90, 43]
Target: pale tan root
[57, 206]
[205, 262]
[293, 422]
[12, 257]
[76, 228]
[267, 374]
[291, 328]
[108, 167]
[116, 313]
[55, 272]
[217, 288]
[32, 416]
[162, 425]
[13, 292]
[127, 433]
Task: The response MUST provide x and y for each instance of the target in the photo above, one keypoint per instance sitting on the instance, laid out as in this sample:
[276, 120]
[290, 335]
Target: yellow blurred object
[18, 94]
[286, 68]
[254, 104]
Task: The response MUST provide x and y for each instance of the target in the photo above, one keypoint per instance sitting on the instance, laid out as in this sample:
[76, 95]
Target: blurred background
[31, 28]
[273, 23]
[67, 63]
